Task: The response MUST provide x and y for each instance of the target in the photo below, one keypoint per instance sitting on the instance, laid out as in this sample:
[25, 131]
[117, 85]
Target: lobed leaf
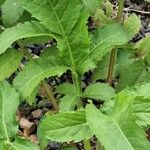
[104, 39]
[9, 62]
[36, 71]
[121, 124]
[68, 26]
[28, 29]
[64, 127]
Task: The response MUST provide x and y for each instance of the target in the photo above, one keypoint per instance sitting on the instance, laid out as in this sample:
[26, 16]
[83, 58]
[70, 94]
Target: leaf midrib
[3, 118]
[96, 46]
[65, 37]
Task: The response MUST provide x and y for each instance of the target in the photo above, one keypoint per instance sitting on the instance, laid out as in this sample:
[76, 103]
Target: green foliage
[99, 91]
[28, 29]
[41, 68]
[8, 129]
[56, 127]
[12, 11]
[9, 62]
[122, 117]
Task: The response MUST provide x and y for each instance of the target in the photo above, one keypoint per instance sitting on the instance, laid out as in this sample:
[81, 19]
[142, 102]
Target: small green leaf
[64, 127]
[9, 101]
[11, 12]
[141, 107]
[36, 71]
[129, 74]
[28, 29]
[9, 62]
[22, 144]
[143, 46]
[132, 24]
[68, 103]
[91, 5]
[66, 88]
[99, 91]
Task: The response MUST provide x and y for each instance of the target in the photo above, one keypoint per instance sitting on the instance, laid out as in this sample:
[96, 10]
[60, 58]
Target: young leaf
[143, 46]
[129, 74]
[141, 107]
[99, 91]
[28, 29]
[9, 62]
[132, 24]
[64, 127]
[22, 144]
[91, 5]
[9, 101]
[121, 124]
[11, 12]
[68, 103]
[66, 88]
[68, 28]
[36, 71]
[104, 39]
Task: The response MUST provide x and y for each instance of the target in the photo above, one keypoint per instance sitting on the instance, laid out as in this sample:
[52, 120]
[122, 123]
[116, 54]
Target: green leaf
[67, 103]
[132, 24]
[2, 1]
[9, 62]
[141, 107]
[36, 71]
[143, 46]
[22, 144]
[9, 101]
[99, 91]
[28, 29]
[121, 124]
[147, 1]
[66, 88]
[91, 5]
[64, 127]
[50, 51]
[11, 12]
[68, 28]
[129, 74]
[104, 39]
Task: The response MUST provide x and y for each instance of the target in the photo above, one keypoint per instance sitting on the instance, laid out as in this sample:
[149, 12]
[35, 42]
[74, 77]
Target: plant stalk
[120, 10]
[77, 83]
[50, 95]
[87, 145]
[113, 52]
[46, 86]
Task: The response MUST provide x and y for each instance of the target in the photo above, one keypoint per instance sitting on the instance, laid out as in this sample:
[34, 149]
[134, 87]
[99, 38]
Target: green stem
[50, 95]
[111, 66]
[113, 52]
[87, 145]
[77, 83]
[120, 10]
